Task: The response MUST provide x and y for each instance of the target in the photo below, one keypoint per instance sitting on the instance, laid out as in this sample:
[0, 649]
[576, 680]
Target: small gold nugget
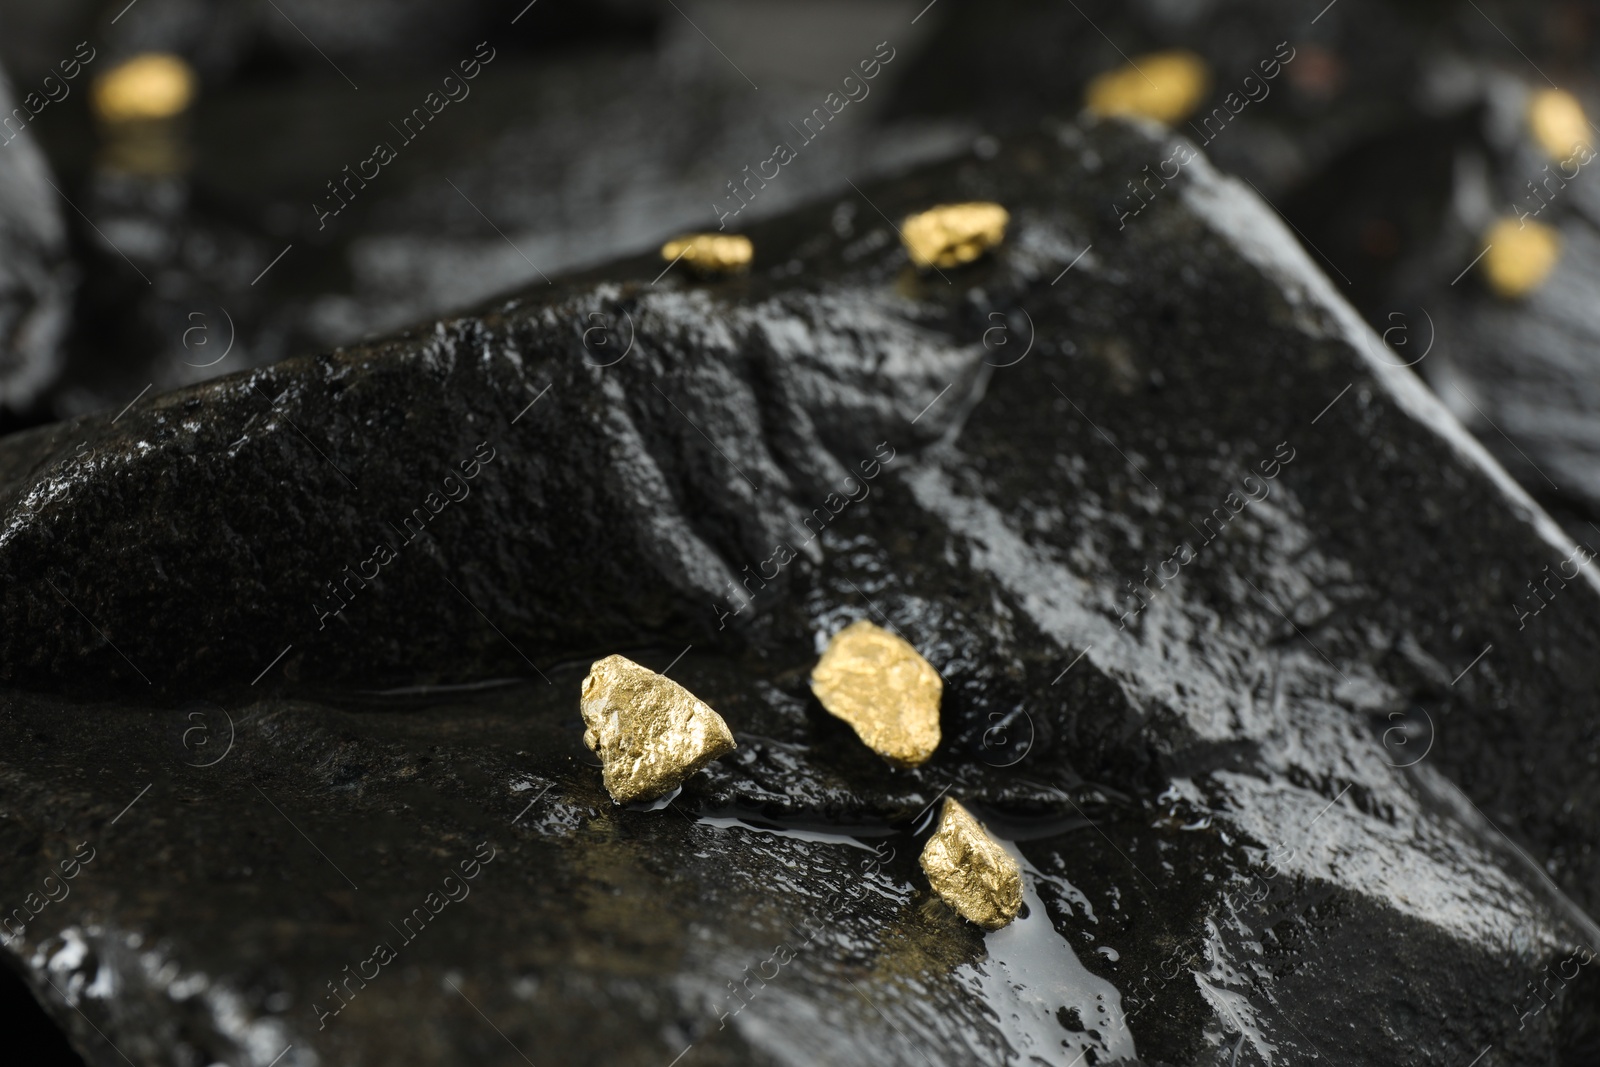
[1557, 122]
[888, 693]
[971, 870]
[1520, 256]
[952, 234]
[1165, 86]
[153, 85]
[711, 253]
[649, 732]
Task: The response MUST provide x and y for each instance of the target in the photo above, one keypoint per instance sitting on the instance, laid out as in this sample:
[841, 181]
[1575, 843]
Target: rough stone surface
[36, 279]
[1223, 606]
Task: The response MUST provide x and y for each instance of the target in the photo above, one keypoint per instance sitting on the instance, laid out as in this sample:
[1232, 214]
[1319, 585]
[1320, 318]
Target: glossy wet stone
[1144, 553]
[36, 277]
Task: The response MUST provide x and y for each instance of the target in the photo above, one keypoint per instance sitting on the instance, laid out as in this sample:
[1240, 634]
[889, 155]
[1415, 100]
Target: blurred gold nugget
[1520, 256]
[952, 234]
[971, 870]
[154, 85]
[1165, 86]
[884, 689]
[1558, 123]
[712, 253]
[649, 732]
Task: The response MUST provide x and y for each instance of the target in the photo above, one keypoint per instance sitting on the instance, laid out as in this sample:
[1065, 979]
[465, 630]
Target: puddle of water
[1047, 1006]
[658, 804]
[1034, 982]
[821, 836]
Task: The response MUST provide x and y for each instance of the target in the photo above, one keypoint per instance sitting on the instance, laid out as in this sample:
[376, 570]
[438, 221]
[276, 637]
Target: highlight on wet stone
[952, 234]
[972, 871]
[1519, 256]
[711, 253]
[649, 732]
[1165, 86]
[885, 690]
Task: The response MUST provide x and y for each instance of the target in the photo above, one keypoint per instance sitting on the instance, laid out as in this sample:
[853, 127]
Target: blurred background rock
[1393, 141]
[596, 129]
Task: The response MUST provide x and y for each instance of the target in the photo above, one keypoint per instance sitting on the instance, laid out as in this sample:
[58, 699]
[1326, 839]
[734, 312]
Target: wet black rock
[1224, 604]
[1392, 140]
[36, 279]
[233, 244]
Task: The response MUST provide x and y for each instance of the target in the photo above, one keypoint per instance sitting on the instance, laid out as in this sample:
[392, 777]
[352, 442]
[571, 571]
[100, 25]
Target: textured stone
[36, 277]
[972, 871]
[649, 732]
[1225, 847]
[875, 681]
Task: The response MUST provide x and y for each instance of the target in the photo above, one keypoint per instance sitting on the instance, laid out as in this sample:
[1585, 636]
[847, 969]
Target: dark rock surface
[509, 184]
[1392, 141]
[1323, 792]
[36, 279]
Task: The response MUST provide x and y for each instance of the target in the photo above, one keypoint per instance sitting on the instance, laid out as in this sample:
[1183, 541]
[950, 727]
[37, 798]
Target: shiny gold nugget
[154, 85]
[712, 253]
[1520, 256]
[649, 732]
[1558, 123]
[952, 234]
[1165, 86]
[888, 693]
[971, 870]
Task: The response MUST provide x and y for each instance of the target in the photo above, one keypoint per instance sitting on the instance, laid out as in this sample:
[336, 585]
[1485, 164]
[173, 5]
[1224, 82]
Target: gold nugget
[649, 732]
[1165, 86]
[952, 234]
[888, 693]
[1558, 123]
[971, 870]
[711, 253]
[1520, 256]
[154, 85]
